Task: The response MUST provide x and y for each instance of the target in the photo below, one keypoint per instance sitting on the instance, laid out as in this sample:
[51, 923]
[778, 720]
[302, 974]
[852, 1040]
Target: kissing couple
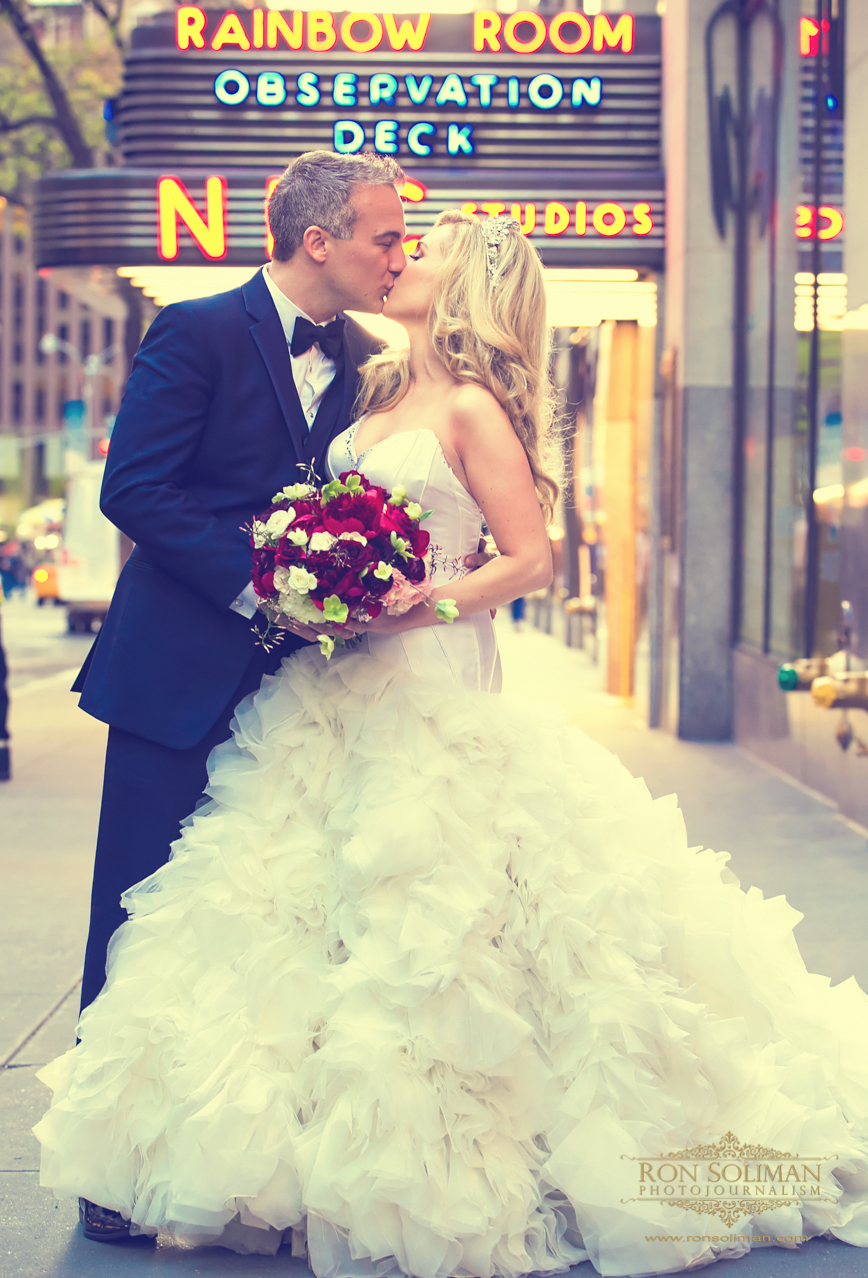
[396, 973]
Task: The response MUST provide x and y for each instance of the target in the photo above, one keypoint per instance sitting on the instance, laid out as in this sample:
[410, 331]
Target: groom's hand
[298, 628]
[486, 551]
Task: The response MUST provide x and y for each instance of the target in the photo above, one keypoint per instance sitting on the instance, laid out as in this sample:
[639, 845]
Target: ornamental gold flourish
[729, 1213]
[729, 1146]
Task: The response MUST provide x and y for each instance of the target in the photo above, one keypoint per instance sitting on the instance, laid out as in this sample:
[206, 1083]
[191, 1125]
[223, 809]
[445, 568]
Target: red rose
[348, 513]
[396, 519]
[263, 583]
[414, 570]
[420, 541]
[288, 554]
[353, 554]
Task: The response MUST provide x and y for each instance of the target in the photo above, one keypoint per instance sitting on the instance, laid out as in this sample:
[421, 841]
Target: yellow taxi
[45, 584]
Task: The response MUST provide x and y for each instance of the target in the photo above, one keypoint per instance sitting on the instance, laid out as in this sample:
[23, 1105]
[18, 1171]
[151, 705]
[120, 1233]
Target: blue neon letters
[481, 89]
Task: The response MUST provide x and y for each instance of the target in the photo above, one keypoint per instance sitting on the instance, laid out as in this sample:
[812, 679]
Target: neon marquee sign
[810, 31]
[272, 89]
[555, 218]
[807, 219]
[319, 31]
[209, 229]
[544, 92]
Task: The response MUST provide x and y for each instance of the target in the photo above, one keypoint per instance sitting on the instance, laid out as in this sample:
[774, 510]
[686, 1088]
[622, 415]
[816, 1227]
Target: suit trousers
[148, 789]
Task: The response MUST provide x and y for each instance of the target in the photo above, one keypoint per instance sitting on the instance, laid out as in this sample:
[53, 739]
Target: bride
[430, 980]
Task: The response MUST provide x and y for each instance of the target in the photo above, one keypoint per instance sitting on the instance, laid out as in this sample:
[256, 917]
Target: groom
[227, 398]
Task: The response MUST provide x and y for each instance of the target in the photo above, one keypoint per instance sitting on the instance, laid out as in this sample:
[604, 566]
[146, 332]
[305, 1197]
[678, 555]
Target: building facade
[37, 388]
[690, 174]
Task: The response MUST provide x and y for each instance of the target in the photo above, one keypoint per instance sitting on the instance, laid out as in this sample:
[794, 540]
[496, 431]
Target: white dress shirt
[313, 373]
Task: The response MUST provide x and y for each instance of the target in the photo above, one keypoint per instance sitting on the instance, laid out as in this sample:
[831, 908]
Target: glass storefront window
[791, 584]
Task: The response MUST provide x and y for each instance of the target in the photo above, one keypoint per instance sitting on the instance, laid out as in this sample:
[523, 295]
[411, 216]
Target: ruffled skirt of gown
[422, 980]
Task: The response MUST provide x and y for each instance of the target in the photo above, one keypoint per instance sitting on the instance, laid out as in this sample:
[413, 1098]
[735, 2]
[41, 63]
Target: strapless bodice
[465, 652]
[414, 458]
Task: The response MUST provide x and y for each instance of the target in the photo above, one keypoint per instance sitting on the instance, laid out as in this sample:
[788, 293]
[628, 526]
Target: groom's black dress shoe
[101, 1224]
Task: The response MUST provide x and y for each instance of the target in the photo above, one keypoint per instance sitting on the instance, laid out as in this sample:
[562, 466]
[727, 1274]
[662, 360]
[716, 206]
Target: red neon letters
[488, 26]
[524, 32]
[174, 205]
[607, 218]
[806, 222]
[210, 232]
[359, 32]
[809, 36]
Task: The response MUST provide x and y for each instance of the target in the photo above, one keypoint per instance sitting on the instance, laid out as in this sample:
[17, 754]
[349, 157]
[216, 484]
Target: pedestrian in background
[13, 570]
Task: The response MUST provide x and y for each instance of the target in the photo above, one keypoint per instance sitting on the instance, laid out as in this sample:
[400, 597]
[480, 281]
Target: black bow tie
[329, 336]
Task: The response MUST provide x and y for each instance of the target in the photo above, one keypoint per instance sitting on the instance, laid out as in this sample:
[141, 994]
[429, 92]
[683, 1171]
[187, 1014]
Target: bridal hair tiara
[495, 231]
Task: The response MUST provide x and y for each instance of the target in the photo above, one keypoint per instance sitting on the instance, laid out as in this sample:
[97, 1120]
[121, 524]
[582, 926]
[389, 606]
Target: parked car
[90, 560]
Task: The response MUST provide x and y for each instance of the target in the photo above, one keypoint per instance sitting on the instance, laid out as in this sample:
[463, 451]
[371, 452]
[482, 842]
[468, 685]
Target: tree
[51, 107]
[112, 17]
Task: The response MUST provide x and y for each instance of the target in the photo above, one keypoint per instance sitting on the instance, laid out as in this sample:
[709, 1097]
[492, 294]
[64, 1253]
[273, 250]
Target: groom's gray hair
[317, 189]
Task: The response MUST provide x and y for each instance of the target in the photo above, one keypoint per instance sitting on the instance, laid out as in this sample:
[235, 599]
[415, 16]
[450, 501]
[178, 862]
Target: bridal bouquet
[341, 551]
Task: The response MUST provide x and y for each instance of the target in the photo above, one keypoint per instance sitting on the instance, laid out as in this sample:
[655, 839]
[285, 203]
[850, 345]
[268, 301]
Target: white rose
[322, 541]
[259, 537]
[279, 522]
[300, 580]
[295, 492]
[297, 536]
[354, 536]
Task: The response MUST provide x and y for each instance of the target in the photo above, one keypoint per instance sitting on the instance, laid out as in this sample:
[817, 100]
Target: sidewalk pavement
[781, 837]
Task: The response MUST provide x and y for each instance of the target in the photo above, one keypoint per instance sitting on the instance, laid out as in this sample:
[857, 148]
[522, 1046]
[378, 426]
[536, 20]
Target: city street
[38, 645]
[782, 838]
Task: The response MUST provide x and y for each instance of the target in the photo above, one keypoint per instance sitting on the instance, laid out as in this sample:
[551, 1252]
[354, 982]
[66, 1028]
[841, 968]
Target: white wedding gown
[428, 973]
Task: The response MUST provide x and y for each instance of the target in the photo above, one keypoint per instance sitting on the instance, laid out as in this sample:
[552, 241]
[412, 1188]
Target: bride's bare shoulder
[473, 410]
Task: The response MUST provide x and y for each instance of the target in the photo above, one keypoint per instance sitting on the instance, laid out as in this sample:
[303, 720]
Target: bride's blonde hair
[491, 333]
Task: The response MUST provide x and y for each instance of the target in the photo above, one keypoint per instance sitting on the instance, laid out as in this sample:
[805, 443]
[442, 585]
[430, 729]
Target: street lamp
[88, 370]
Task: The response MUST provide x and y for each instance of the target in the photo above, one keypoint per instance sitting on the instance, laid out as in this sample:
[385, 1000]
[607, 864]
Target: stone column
[698, 336]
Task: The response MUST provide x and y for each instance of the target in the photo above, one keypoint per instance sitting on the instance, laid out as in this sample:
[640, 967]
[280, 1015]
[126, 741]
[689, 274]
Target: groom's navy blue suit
[210, 427]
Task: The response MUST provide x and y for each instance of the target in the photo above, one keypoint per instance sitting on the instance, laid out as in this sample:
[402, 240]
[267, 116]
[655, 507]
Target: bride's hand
[381, 625]
[386, 624]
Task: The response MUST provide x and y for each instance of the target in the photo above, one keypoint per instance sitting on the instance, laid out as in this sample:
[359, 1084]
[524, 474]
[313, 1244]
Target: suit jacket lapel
[267, 332]
[337, 403]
